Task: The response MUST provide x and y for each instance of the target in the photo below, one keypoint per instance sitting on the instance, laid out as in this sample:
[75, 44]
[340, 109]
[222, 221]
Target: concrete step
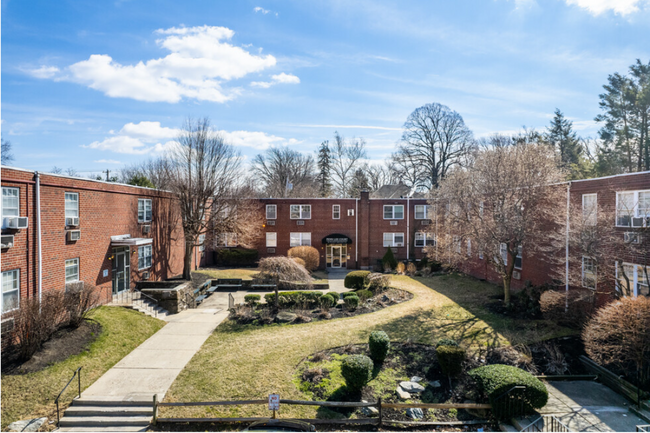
[104, 421]
[111, 401]
[103, 429]
[109, 411]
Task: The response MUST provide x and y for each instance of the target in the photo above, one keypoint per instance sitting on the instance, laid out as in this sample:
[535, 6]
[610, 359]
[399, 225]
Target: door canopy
[337, 238]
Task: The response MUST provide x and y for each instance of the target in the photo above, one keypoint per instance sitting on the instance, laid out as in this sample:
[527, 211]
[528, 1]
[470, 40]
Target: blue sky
[99, 84]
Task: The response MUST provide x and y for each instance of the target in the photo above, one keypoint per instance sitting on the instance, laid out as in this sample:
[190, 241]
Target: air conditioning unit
[425, 222]
[74, 286]
[146, 275]
[641, 222]
[16, 222]
[72, 221]
[270, 223]
[632, 238]
[399, 244]
[146, 229]
[516, 275]
[270, 250]
[74, 235]
[7, 325]
[393, 223]
[23, 222]
[7, 241]
[300, 223]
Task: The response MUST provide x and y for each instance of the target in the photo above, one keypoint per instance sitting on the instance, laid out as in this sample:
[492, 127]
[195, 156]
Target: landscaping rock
[403, 395]
[435, 384]
[27, 425]
[369, 411]
[416, 379]
[411, 387]
[285, 317]
[385, 298]
[415, 413]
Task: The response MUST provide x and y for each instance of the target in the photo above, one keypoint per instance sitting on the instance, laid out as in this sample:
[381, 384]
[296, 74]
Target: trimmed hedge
[308, 254]
[446, 342]
[351, 302]
[389, 261]
[327, 301]
[236, 257]
[336, 296]
[495, 380]
[364, 295]
[290, 299]
[379, 344]
[355, 279]
[252, 299]
[451, 359]
[346, 294]
[357, 371]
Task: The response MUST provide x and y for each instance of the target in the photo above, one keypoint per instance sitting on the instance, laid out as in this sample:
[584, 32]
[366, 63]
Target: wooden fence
[379, 420]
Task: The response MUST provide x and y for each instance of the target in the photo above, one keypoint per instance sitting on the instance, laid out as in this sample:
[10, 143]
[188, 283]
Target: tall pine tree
[324, 168]
[561, 136]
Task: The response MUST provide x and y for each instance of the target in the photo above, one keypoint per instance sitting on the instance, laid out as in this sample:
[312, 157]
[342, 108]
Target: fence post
[155, 409]
[79, 372]
[381, 413]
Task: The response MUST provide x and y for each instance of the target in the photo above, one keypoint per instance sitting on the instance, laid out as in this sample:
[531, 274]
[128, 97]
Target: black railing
[78, 374]
[510, 404]
[546, 423]
[153, 308]
[643, 428]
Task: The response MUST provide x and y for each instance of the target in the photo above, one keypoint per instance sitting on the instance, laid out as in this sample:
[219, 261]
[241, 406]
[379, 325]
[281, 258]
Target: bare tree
[378, 175]
[7, 156]
[436, 138]
[281, 166]
[345, 158]
[238, 218]
[497, 205]
[154, 169]
[405, 167]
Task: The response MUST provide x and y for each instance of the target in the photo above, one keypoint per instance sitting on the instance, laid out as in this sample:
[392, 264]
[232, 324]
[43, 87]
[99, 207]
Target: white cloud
[261, 84]
[597, 7]
[261, 10]
[281, 78]
[256, 140]
[43, 72]
[200, 61]
[108, 161]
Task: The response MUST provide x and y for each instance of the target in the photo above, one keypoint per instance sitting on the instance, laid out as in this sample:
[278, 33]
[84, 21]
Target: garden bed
[263, 315]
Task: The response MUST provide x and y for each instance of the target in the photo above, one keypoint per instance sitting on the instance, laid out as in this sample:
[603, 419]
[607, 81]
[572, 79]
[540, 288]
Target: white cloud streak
[597, 7]
[281, 78]
[261, 10]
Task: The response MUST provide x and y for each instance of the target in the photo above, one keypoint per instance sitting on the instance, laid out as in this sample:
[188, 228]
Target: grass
[242, 362]
[32, 395]
[247, 274]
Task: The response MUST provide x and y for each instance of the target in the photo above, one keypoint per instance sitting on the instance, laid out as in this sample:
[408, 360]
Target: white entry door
[336, 257]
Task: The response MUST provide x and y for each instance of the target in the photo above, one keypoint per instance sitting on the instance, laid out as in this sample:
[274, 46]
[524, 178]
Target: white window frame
[70, 263]
[636, 210]
[637, 277]
[457, 244]
[392, 211]
[350, 212]
[274, 213]
[271, 239]
[304, 239]
[143, 210]
[469, 247]
[480, 253]
[336, 211]
[593, 272]
[590, 216]
[424, 211]
[201, 243]
[503, 252]
[69, 212]
[227, 240]
[390, 240]
[301, 212]
[424, 239]
[15, 283]
[17, 198]
[519, 257]
[145, 255]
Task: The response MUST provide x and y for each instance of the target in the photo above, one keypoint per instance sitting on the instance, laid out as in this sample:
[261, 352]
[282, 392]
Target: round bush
[446, 342]
[357, 371]
[354, 279]
[326, 301]
[379, 343]
[252, 299]
[300, 261]
[309, 255]
[346, 294]
[450, 359]
[364, 295]
[351, 302]
[495, 380]
[334, 295]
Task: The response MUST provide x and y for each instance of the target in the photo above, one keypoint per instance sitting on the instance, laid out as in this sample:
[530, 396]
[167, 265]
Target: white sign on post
[274, 402]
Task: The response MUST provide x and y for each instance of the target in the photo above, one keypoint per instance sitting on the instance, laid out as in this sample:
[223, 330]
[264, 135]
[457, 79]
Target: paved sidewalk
[152, 367]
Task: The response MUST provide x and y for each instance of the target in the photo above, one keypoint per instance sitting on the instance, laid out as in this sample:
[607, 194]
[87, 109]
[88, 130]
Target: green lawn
[32, 395]
[242, 362]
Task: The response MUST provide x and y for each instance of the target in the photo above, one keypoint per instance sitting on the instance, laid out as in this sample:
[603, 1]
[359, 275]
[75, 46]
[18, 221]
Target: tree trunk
[506, 289]
[187, 260]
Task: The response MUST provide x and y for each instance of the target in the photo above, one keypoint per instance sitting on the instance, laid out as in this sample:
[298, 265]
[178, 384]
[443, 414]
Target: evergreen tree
[324, 168]
[140, 180]
[565, 141]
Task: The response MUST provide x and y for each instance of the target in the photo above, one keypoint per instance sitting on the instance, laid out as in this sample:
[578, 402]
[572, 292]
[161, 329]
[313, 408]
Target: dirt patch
[64, 343]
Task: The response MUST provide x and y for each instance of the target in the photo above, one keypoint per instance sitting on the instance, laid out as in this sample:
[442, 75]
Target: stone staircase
[107, 414]
[136, 301]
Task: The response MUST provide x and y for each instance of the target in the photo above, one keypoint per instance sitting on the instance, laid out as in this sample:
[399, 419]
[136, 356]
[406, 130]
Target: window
[350, 212]
[423, 239]
[421, 212]
[394, 212]
[589, 208]
[588, 273]
[336, 211]
[144, 210]
[10, 202]
[519, 257]
[10, 290]
[633, 208]
[71, 205]
[144, 256]
[300, 239]
[480, 253]
[227, 240]
[271, 239]
[300, 211]
[638, 279]
[469, 247]
[71, 270]
[271, 211]
[457, 244]
[393, 239]
[201, 243]
[503, 250]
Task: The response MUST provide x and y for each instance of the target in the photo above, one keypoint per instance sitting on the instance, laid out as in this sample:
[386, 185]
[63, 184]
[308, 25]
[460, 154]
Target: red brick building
[107, 234]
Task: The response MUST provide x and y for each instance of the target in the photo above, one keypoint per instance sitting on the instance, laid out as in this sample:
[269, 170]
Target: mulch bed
[64, 343]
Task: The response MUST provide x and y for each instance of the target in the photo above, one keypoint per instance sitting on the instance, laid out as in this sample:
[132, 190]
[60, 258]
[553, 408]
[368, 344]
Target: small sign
[105, 273]
[274, 402]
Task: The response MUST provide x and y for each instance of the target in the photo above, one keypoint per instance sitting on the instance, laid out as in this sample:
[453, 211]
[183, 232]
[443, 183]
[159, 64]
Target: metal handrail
[76, 373]
[554, 425]
[643, 428]
[152, 299]
[514, 403]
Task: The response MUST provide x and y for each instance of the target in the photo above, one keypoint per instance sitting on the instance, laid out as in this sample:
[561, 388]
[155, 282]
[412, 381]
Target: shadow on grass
[342, 393]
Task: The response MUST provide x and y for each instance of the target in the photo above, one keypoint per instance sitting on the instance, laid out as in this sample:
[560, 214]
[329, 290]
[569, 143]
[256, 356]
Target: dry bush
[300, 261]
[78, 302]
[580, 307]
[518, 356]
[554, 359]
[320, 356]
[266, 316]
[401, 268]
[309, 255]
[243, 314]
[377, 282]
[411, 269]
[283, 269]
[619, 334]
[314, 374]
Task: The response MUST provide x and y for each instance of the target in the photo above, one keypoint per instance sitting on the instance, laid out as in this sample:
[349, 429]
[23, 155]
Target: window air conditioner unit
[393, 223]
[7, 325]
[300, 223]
[72, 221]
[270, 223]
[516, 275]
[11, 222]
[270, 250]
[74, 286]
[146, 275]
[632, 238]
[399, 244]
[23, 222]
[641, 222]
[425, 222]
[74, 235]
[7, 241]
[146, 229]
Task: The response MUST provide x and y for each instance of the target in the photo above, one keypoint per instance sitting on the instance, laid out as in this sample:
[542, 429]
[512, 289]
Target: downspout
[356, 232]
[39, 235]
[408, 225]
[566, 258]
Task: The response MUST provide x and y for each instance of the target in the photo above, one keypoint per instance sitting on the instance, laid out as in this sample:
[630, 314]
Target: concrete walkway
[152, 367]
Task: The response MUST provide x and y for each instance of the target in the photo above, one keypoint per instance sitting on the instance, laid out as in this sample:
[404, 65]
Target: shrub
[388, 261]
[401, 268]
[300, 261]
[334, 295]
[296, 298]
[495, 380]
[252, 299]
[619, 335]
[379, 343]
[411, 269]
[346, 294]
[450, 359]
[446, 342]
[351, 302]
[435, 266]
[309, 255]
[355, 279]
[357, 371]
[327, 302]
[283, 268]
[377, 282]
[580, 302]
[364, 295]
[236, 257]
[78, 302]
